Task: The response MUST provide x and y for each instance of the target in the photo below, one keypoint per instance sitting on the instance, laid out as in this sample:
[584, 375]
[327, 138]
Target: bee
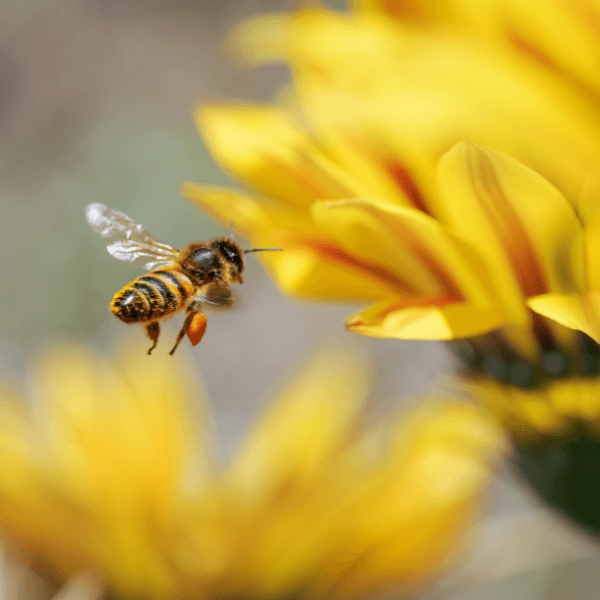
[194, 279]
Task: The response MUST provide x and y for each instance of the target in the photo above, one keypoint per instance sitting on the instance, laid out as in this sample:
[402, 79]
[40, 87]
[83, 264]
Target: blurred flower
[544, 392]
[105, 474]
[356, 182]
[405, 81]
[561, 36]
[543, 386]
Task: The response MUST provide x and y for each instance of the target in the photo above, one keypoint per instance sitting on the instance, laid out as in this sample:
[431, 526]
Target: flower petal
[563, 36]
[311, 265]
[267, 148]
[421, 11]
[588, 208]
[405, 319]
[521, 224]
[374, 82]
[228, 206]
[439, 457]
[408, 245]
[576, 311]
[314, 421]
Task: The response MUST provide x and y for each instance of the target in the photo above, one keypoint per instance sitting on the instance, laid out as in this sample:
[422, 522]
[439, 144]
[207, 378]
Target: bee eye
[231, 255]
[231, 252]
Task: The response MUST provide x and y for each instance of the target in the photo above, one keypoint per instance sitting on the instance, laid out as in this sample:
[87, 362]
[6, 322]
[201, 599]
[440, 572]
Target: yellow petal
[266, 147]
[408, 246]
[575, 311]
[419, 12]
[227, 206]
[521, 225]
[588, 208]
[293, 440]
[563, 36]
[325, 274]
[311, 265]
[438, 459]
[403, 319]
[374, 83]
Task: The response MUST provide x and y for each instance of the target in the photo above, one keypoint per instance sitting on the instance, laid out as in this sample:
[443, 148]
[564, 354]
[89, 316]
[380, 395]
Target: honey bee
[194, 278]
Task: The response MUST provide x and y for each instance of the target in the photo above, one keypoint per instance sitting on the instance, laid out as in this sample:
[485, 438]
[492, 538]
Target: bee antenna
[262, 250]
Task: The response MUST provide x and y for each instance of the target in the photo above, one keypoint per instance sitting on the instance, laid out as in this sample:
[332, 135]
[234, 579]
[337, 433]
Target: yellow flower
[552, 410]
[369, 87]
[495, 238]
[561, 36]
[105, 474]
[541, 383]
[543, 386]
[361, 183]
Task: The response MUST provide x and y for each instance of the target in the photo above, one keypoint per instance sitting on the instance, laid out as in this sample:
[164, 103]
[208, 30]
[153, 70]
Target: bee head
[233, 256]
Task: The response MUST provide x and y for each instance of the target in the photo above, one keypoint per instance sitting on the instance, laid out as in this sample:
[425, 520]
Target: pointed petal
[311, 265]
[266, 147]
[320, 273]
[520, 223]
[227, 206]
[403, 319]
[408, 245]
[440, 459]
[562, 37]
[278, 473]
[576, 311]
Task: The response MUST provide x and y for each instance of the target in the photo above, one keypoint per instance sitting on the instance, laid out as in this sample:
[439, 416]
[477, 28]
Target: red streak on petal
[406, 183]
[404, 10]
[335, 254]
[528, 48]
[519, 249]
[397, 285]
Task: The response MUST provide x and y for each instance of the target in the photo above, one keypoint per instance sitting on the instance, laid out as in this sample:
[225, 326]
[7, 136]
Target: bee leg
[153, 331]
[186, 325]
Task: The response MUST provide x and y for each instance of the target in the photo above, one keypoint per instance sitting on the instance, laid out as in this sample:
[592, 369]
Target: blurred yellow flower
[364, 185]
[541, 384]
[105, 474]
[562, 36]
[552, 410]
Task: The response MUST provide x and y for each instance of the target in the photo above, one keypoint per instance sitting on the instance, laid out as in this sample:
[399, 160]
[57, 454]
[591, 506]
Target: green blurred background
[96, 101]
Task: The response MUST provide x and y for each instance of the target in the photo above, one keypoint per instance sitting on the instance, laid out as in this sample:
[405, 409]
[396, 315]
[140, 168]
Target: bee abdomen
[130, 305]
[152, 296]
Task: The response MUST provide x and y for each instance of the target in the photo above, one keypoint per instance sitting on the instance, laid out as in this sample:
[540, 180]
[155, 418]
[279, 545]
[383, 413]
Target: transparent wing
[128, 241]
[216, 296]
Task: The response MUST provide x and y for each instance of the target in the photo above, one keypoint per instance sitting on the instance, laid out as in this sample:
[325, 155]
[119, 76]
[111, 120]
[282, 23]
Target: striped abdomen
[152, 296]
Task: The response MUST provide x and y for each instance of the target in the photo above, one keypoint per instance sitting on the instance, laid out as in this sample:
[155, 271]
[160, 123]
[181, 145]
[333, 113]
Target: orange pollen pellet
[197, 328]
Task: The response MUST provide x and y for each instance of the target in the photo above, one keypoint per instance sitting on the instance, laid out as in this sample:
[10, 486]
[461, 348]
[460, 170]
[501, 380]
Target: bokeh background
[96, 101]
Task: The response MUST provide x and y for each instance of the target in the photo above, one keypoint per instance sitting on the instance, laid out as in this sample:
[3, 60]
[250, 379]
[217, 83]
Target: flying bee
[195, 278]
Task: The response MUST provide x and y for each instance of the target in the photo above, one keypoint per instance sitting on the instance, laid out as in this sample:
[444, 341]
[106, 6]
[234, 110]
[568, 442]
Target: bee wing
[127, 240]
[216, 296]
